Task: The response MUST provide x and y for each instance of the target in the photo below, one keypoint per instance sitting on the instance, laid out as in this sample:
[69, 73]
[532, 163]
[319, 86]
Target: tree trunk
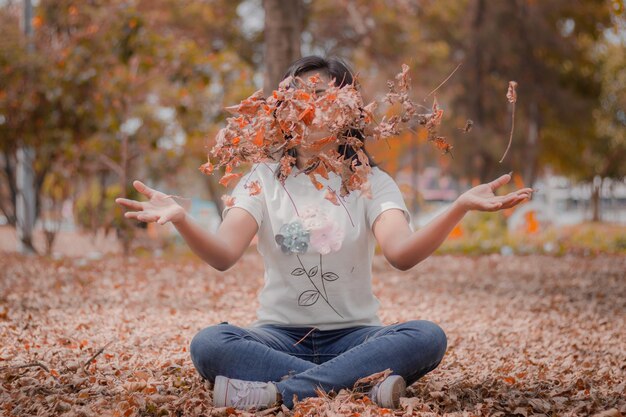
[25, 207]
[531, 77]
[476, 68]
[127, 234]
[25, 204]
[9, 209]
[477, 63]
[531, 149]
[283, 27]
[595, 199]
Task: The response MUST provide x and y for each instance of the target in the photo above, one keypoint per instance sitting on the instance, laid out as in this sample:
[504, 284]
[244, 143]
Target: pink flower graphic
[326, 235]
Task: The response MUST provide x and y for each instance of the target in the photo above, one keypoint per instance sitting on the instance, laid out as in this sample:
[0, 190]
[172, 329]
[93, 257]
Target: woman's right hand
[160, 208]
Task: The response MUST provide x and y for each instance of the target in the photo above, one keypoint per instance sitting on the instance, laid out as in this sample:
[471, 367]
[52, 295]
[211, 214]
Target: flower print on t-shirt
[326, 235]
[293, 238]
[317, 231]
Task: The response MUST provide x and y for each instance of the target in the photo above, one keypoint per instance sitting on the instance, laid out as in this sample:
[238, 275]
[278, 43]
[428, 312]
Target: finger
[132, 214]
[143, 188]
[515, 199]
[514, 202]
[504, 198]
[132, 204]
[513, 194]
[145, 217]
[162, 220]
[499, 182]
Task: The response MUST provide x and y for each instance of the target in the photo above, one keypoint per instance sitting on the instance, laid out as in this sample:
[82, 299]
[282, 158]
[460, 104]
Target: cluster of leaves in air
[266, 128]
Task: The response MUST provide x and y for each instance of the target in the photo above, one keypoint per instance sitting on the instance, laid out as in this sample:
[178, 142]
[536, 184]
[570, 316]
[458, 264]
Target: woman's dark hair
[336, 69]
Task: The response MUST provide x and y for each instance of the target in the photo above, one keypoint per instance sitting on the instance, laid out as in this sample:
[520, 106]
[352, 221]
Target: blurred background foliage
[115, 90]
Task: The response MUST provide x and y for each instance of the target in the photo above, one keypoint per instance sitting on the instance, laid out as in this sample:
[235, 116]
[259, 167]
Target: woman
[317, 325]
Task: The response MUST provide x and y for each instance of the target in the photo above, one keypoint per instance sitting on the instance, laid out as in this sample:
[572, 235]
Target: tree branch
[111, 164]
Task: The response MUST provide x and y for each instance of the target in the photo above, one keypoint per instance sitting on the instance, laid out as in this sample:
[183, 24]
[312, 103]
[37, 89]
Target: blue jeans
[331, 359]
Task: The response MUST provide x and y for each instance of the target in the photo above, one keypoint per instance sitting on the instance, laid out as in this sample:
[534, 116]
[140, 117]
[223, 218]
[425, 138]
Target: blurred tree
[283, 32]
[112, 90]
[545, 46]
[599, 151]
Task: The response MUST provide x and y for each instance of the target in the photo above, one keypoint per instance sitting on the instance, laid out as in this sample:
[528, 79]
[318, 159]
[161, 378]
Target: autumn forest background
[94, 94]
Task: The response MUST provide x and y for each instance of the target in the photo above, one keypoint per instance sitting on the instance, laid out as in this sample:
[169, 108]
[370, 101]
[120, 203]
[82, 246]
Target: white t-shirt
[318, 260]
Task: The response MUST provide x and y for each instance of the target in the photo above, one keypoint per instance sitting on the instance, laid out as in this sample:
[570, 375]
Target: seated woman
[317, 323]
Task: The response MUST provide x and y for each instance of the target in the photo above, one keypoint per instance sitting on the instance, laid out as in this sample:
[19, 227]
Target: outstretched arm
[405, 249]
[221, 250]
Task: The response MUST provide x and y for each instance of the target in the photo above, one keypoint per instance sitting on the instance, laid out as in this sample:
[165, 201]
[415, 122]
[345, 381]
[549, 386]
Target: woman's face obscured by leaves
[316, 133]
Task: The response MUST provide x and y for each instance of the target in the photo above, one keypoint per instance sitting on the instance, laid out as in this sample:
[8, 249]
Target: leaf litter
[527, 336]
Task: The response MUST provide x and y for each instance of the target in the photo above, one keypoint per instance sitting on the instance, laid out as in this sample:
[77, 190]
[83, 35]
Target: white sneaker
[244, 395]
[388, 392]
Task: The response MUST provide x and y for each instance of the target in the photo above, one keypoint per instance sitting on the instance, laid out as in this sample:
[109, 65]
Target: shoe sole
[392, 389]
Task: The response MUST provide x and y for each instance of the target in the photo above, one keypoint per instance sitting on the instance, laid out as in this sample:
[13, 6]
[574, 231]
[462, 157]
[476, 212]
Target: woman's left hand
[483, 198]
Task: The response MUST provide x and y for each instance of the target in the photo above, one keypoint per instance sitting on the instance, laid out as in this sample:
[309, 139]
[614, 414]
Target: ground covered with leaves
[527, 335]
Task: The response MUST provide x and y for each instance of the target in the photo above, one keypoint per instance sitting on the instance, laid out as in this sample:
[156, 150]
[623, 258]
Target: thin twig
[249, 175]
[28, 365]
[444, 81]
[511, 136]
[341, 202]
[305, 336]
[288, 195]
[96, 354]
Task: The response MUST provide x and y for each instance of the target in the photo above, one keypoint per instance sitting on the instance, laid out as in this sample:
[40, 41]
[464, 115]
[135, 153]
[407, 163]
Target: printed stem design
[310, 297]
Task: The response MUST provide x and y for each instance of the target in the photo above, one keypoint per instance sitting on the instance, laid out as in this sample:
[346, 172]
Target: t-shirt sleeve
[385, 195]
[253, 204]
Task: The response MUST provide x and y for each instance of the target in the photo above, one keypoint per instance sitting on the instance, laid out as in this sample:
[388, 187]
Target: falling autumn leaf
[253, 187]
[228, 200]
[511, 96]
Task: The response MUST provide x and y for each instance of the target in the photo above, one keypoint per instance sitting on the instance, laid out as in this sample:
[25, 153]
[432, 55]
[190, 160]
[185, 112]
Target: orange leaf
[332, 197]
[254, 188]
[303, 95]
[37, 22]
[307, 115]
[442, 145]
[228, 200]
[313, 79]
[227, 178]
[321, 170]
[241, 121]
[258, 138]
[207, 168]
[509, 380]
[456, 233]
[315, 182]
[319, 144]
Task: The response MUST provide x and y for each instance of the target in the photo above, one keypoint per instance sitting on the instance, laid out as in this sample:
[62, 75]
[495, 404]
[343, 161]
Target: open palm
[160, 208]
[483, 197]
